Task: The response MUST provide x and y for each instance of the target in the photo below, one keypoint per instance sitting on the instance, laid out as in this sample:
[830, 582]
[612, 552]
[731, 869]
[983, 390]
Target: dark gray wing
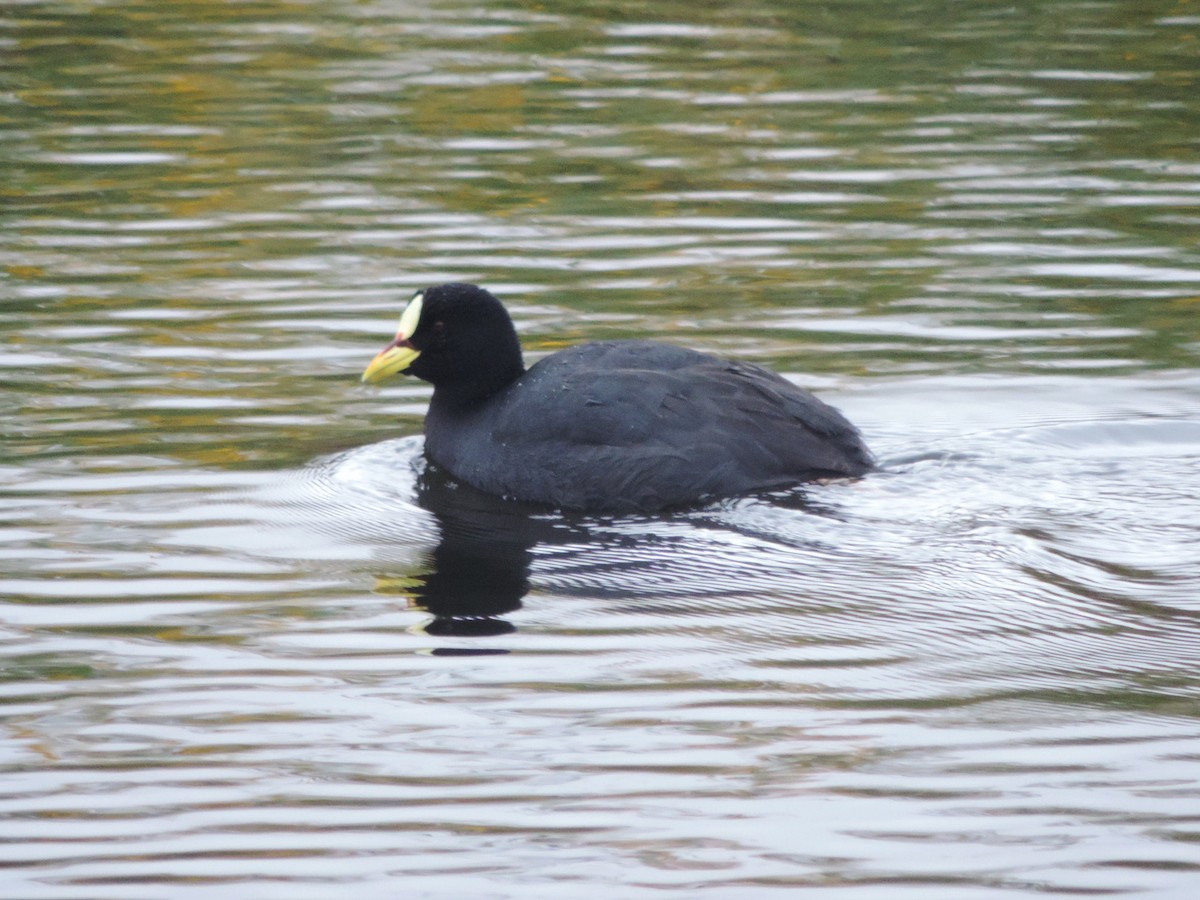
[640, 425]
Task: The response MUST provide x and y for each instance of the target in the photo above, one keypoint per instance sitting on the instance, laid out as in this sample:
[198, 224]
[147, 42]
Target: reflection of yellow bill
[397, 584]
[399, 354]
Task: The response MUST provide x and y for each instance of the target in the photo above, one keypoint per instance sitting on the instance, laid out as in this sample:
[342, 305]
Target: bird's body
[612, 426]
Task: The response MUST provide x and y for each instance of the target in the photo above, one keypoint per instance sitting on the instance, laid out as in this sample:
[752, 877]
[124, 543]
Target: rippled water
[251, 646]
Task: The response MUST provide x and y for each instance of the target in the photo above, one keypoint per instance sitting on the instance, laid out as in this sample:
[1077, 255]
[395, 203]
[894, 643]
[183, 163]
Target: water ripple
[252, 644]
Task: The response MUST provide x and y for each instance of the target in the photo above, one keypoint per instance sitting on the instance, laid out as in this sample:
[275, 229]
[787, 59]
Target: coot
[610, 426]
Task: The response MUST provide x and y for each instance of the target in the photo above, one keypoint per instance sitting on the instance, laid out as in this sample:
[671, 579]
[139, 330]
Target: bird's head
[457, 336]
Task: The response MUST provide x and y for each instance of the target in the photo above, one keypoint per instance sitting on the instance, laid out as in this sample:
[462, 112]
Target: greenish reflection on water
[971, 226]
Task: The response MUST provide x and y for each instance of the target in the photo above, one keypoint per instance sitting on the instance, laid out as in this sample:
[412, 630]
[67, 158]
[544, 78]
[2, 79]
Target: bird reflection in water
[479, 572]
[480, 567]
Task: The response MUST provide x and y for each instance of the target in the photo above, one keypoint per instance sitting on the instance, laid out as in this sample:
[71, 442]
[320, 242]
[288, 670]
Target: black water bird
[611, 426]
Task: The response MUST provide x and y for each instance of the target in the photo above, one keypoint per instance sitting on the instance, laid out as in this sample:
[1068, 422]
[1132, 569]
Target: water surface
[252, 645]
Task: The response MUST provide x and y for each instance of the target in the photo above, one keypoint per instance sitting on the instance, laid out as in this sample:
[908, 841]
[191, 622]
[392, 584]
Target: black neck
[465, 394]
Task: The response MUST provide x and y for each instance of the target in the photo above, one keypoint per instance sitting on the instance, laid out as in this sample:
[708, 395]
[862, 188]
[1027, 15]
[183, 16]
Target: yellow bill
[399, 354]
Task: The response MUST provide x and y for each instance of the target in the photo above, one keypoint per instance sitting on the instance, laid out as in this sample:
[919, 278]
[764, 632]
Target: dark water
[251, 648]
